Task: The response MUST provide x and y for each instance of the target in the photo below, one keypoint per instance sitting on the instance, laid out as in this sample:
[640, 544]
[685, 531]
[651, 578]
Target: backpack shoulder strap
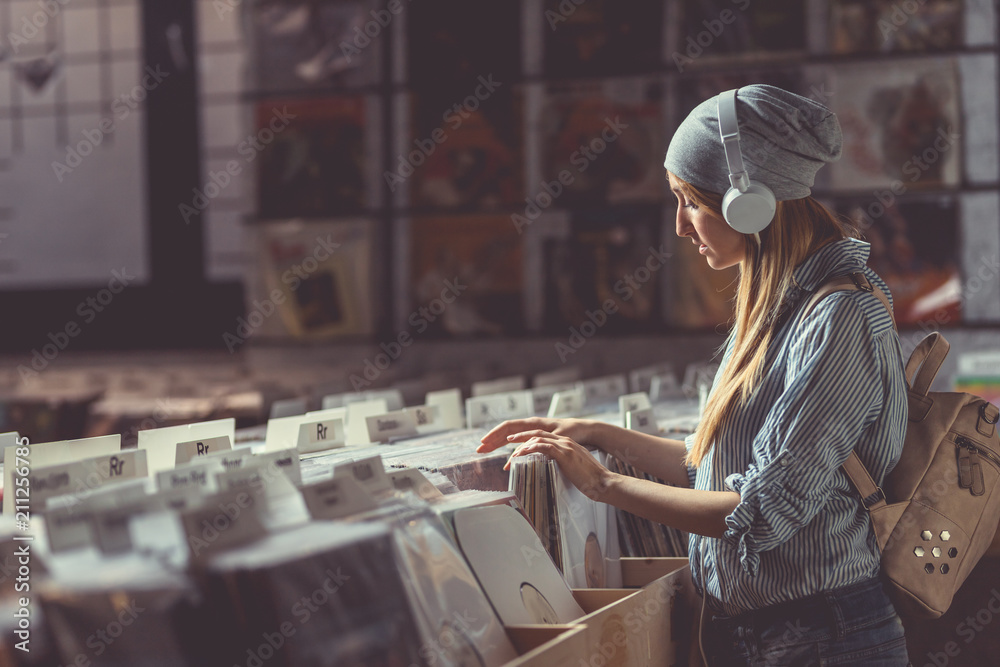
[850, 283]
[872, 496]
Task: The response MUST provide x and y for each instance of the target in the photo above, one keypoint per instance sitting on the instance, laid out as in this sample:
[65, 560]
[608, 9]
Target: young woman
[781, 546]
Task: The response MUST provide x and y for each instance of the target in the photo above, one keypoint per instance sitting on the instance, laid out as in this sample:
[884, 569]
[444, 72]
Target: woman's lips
[702, 248]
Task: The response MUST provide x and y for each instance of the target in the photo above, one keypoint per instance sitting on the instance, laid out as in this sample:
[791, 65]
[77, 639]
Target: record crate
[650, 622]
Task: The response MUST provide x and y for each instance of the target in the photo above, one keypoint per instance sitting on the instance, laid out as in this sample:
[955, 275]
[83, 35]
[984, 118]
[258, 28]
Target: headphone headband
[729, 129]
[748, 206]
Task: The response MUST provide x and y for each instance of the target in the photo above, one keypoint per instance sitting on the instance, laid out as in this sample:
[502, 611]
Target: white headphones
[748, 206]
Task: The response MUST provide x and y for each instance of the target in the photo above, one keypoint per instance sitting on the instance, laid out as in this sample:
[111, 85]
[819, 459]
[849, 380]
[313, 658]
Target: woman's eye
[693, 207]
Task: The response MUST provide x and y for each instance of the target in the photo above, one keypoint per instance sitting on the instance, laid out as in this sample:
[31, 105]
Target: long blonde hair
[800, 227]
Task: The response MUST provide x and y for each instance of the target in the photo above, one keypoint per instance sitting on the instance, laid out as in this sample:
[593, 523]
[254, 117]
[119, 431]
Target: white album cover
[588, 533]
[513, 567]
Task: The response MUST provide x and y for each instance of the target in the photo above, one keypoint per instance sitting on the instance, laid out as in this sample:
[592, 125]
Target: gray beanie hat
[785, 138]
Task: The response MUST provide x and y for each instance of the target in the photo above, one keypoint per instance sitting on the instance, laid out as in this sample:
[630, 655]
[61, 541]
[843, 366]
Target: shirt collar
[834, 259]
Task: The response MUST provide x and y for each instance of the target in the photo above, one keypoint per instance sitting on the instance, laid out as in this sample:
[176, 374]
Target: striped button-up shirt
[834, 382]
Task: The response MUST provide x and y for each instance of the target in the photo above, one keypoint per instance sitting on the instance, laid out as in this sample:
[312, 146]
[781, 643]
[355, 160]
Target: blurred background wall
[457, 186]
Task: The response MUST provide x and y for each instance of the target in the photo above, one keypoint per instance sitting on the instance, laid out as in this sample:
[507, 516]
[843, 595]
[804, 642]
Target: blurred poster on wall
[317, 274]
[698, 296]
[901, 125]
[314, 156]
[609, 137]
[915, 249]
[727, 27]
[600, 37]
[865, 26]
[606, 256]
[467, 154]
[309, 44]
[466, 276]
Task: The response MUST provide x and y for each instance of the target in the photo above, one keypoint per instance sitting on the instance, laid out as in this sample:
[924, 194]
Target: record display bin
[639, 572]
[628, 627]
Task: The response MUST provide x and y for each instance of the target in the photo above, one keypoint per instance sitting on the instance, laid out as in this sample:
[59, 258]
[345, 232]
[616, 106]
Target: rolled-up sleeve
[833, 391]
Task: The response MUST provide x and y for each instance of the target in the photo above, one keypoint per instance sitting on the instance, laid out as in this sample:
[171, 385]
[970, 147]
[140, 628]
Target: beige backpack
[938, 509]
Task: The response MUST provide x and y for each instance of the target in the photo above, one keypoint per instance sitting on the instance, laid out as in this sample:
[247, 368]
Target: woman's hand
[577, 464]
[515, 430]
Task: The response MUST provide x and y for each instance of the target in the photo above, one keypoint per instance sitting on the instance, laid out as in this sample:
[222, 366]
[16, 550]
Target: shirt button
[785, 461]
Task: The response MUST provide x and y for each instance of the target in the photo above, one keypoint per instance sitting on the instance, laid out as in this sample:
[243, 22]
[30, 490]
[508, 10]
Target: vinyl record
[509, 560]
[608, 536]
[588, 533]
[459, 627]
[582, 552]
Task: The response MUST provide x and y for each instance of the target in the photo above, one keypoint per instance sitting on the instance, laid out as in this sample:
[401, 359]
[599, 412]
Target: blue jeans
[853, 625]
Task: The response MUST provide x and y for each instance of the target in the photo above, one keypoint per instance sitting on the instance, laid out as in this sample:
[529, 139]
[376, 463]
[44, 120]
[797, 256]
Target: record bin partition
[548, 645]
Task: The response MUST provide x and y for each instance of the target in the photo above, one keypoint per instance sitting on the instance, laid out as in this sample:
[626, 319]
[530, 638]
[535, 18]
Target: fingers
[498, 437]
[529, 440]
[527, 435]
[535, 446]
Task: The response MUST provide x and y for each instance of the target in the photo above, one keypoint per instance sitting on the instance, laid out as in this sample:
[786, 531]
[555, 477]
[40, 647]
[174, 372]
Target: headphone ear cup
[751, 211]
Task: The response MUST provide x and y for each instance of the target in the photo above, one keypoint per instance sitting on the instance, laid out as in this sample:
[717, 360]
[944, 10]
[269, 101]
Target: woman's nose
[683, 226]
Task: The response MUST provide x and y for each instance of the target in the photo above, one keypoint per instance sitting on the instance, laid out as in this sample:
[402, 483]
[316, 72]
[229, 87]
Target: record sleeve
[302, 45]
[529, 481]
[915, 250]
[902, 126]
[315, 156]
[608, 534]
[472, 267]
[324, 596]
[134, 595]
[458, 624]
[580, 535]
[315, 280]
[607, 137]
[865, 26]
[640, 537]
[475, 161]
[447, 506]
[513, 567]
[588, 536]
[604, 257]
